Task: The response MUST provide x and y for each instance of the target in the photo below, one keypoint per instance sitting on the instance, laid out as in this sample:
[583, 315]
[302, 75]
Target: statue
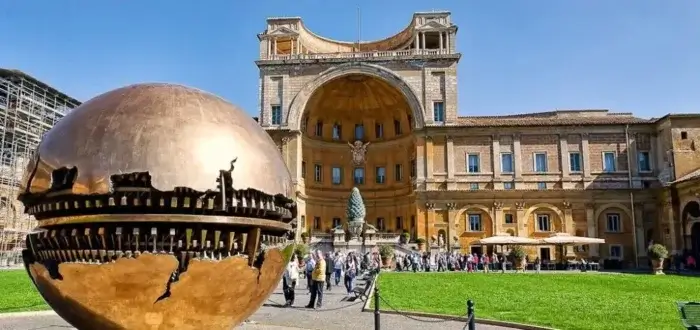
[441, 240]
[359, 150]
[139, 235]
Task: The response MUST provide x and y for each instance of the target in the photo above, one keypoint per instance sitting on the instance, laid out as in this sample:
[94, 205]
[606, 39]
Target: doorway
[477, 250]
[695, 238]
[545, 254]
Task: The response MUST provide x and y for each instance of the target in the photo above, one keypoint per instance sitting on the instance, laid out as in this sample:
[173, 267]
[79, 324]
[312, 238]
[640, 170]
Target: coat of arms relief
[359, 151]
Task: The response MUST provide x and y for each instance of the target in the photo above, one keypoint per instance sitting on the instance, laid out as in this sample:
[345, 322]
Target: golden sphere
[159, 207]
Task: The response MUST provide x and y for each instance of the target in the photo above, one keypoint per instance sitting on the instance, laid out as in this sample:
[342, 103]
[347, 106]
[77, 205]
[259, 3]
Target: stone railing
[338, 237]
[358, 55]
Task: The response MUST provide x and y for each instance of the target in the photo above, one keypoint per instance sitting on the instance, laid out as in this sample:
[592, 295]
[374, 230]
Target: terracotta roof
[552, 118]
[692, 175]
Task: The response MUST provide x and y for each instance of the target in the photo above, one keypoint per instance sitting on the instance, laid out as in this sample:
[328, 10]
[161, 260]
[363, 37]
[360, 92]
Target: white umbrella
[567, 239]
[505, 239]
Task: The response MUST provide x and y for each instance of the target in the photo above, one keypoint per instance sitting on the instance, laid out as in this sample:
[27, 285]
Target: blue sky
[640, 56]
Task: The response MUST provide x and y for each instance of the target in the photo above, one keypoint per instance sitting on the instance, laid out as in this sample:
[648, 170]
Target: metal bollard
[377, 325]
[471, 325]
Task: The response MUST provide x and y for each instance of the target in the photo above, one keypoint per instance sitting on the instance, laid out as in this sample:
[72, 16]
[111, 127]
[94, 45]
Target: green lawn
[562, 301]
[17, 293]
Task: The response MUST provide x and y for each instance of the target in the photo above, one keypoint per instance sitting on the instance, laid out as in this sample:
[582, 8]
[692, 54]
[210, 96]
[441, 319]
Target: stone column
[422, 42]
[497, 218]
[639, 229]
[520, 219]
[420, 159]
[451, 228]
[416, 45]
[668, 210]
[569, 226]
[592, 229]
[496, 157]
[441, 35]
[564, 156]
[429, 217]
[269, 48]
[429, 158]
[585, 156]
[517, 158]
[449, 42]
[450, 157]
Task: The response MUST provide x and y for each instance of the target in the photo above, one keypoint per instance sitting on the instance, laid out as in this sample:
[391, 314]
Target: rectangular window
[508, 185]
[336, 223]
[543, 223]
[337, 175]
[609, 162]
[380, 174]
[507, 162]
[359, 132]
[574, 162]
[613, 224]
[542, 185]
[380, 224]
[473, 163]
[317, 223]
[397, 127]
[337, 132]
[359, 175]
[319, 128]
[318, 173]
[540, 162]
[399, 223]
[474, 222]
[379, 131]
[398, 172]
[276, 115]
[474, 186]
[644, 161]
[616, 251]
[439, 112]
[508, 218]
[303, 169]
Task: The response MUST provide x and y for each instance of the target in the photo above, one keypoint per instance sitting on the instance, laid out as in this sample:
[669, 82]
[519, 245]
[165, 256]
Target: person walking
[318, 277]
[329, 270]
[337, 268]
[350, 273]
[310, 265]
[289, 281]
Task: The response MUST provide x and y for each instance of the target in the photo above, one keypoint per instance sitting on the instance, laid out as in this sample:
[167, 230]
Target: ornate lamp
[356, 213]
[148, 198]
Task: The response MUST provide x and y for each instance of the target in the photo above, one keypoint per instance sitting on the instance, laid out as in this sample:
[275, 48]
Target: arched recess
[486, 220]
[460, 213]
[626, 226]
[550, 207]
[298, 105]
[691, 209]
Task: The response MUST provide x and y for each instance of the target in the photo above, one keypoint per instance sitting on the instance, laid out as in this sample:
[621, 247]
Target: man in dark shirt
[329, 270]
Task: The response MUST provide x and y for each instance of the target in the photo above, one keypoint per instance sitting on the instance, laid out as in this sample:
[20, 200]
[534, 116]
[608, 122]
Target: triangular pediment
[282, 31]
[432, 25]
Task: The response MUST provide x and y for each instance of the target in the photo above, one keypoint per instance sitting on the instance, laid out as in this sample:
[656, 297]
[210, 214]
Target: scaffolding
[28, 109]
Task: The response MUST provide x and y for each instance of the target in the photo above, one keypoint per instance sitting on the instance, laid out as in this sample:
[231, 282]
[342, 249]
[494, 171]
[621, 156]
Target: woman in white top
[289, 280]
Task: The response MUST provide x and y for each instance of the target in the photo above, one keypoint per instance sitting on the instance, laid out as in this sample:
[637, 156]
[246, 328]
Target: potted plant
[387, 253]
[305, 237]
[517, 253]
[301, 250]
[405, 237]
[420, 241]
[657, 253]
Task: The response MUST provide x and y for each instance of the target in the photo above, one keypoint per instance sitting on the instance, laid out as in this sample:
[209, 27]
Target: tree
[356, 207]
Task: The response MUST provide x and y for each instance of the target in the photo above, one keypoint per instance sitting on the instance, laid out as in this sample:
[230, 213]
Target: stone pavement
[335, 315]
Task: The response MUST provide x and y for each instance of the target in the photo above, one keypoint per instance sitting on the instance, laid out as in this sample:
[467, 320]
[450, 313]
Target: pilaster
[496, 156]
[592, 229]
[450, 157]
[520, 219]
[585, 155]
[569, 226]
[518, 158]
[429, 158]
[632, 145]
[564, 156]
[639, 229]
[668, 210]
[451, 230]
[497, 218]
[420, 159]
[429, 219]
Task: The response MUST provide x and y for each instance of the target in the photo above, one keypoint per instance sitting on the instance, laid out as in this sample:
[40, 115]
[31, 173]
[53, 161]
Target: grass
[17, 293]
[562, 301]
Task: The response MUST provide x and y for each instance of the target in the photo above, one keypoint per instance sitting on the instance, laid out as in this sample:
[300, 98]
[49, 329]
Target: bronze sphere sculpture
[159, 207]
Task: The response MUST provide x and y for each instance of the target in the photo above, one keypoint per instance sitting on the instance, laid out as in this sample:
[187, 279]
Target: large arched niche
[556, 219]
[690, 214]
[601, 217]
[299, 102]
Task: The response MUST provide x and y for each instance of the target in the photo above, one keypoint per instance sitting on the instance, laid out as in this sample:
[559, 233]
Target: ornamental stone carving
[359, 151]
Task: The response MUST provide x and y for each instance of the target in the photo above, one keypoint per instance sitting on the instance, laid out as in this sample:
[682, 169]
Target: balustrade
[359, 55]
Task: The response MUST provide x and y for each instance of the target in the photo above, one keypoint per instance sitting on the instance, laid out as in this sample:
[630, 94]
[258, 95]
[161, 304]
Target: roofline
[676, 115]
[10, 73]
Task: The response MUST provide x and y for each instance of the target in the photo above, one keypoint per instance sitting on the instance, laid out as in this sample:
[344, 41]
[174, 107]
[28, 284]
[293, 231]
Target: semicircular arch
[300, 100]
[466, 208]
[551, 207]
[620, 206]
[686, 212]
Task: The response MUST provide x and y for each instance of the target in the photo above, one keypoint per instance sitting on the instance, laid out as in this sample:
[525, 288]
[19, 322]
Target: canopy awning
[567, 239]
[505, 239]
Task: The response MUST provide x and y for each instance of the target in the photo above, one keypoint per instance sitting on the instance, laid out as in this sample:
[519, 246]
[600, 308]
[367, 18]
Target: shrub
[517, 252]
[658, 252]
[386, 251]
[420, 240]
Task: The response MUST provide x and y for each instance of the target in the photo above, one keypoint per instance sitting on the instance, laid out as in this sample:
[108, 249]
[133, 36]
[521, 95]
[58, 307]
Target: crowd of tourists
[323, 271]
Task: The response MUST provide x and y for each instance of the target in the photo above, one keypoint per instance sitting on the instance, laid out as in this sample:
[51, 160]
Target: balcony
[363, 56]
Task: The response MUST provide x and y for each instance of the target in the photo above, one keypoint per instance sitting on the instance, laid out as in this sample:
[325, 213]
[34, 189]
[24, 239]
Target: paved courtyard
[335, 315]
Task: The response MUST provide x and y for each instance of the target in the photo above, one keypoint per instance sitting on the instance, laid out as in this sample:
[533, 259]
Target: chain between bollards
[471, 323]
[377, 315]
